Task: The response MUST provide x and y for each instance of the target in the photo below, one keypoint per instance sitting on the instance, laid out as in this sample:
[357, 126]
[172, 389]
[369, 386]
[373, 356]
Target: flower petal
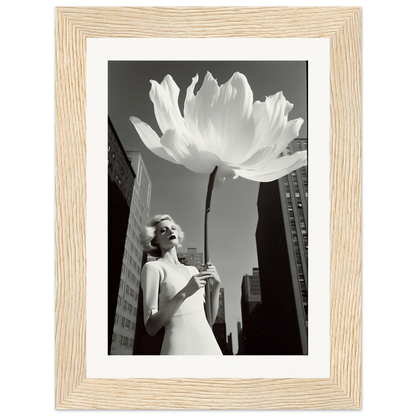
[231, 117]
[276, 169]
[266, 154]
[186, 152]
[225, 171]
[291, 132]
[271, 120]
[221, 116]
[165, 99]
[197, 110]
[259, 159]
[151, 140]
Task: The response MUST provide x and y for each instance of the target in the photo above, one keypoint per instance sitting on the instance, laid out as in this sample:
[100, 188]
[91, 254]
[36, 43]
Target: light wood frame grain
[343, 389]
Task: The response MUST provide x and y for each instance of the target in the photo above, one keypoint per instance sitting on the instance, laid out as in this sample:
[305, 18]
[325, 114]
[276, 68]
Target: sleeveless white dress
[188, 332]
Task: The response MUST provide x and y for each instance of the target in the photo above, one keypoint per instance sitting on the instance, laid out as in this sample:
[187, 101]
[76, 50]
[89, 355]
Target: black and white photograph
[207, 208]
[209, 179]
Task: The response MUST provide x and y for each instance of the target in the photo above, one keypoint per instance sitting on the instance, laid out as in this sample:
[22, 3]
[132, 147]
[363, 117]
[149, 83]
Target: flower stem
[206, 255]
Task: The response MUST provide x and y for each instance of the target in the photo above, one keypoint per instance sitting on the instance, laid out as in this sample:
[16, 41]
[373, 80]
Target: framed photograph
[306, 60]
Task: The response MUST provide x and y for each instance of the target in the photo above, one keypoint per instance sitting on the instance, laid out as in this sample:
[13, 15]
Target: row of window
[126, 306]
[299, 267]
[130, 276]
[130, 244]
[124, 287]
[124, 323]
[293, 224]
[122, 341]
[120, 175]
[129, 260]
[144, 192]
[132, 233]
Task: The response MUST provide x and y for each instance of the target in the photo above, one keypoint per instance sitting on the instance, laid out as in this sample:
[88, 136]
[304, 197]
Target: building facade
[219, 327]
[240, 336]
[121, 178]
[250, 301]
[192, 258]
[230, 344]
[125, 321]
[250, 291]
[282, 248]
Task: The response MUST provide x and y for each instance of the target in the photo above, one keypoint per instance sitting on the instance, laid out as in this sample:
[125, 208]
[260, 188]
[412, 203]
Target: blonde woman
[173, 294]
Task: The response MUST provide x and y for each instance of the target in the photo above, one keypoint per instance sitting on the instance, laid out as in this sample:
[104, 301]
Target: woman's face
[167, 234]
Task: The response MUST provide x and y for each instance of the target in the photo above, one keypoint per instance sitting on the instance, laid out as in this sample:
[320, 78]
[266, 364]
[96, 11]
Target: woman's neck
[170, 256]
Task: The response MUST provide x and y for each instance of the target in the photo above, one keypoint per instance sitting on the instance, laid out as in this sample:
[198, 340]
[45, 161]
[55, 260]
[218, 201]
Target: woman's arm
[162, 316]
[158, 318]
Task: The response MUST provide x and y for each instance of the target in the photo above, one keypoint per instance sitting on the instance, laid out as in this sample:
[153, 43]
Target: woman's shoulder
[151, 266]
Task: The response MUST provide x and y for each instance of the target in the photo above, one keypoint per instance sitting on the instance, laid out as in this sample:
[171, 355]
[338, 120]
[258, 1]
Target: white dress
[188, 332]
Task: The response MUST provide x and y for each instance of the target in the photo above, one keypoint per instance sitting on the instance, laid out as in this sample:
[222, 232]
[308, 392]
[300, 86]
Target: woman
[173, 294]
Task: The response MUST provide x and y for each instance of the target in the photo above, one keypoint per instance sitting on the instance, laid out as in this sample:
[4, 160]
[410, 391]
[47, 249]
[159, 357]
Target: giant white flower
[222, 133]
[222, 127]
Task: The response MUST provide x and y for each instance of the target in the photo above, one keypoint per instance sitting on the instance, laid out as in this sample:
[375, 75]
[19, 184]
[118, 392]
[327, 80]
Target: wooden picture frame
[342, 26]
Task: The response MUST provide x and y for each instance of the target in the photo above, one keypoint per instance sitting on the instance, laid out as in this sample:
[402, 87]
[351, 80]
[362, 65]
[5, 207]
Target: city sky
[181, 193]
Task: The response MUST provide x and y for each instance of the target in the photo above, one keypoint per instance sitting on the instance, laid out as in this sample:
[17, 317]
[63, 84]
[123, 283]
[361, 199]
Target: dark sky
[181, 193]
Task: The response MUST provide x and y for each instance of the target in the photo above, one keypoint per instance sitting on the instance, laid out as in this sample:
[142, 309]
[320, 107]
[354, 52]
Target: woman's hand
[210, 268]
[196, 282]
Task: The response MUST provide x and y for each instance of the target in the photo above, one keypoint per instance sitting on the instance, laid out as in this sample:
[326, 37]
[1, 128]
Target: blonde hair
[148, 234]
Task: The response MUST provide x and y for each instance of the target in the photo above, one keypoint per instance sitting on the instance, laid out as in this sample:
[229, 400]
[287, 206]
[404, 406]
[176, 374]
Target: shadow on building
[282, 249]
[278, 323]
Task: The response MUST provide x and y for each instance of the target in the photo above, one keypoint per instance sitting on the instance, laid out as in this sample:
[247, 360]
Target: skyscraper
[240, 339]
[219, 327]
[192, 258]
[250, 291]
[125, 321]
[230, 344]
[120, 189]
[282, 248]
[250, 299]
